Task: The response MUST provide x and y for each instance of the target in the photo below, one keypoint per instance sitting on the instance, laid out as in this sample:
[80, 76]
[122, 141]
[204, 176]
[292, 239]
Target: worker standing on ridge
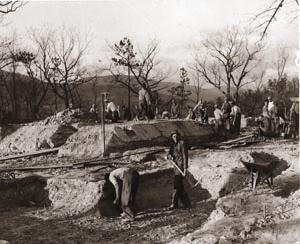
[125, 181]
[112, 111]
[178, 153]
[144, 103]
[226, 110]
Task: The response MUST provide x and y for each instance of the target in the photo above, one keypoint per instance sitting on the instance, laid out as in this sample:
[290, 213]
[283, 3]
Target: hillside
[90, 92]
[20, 94]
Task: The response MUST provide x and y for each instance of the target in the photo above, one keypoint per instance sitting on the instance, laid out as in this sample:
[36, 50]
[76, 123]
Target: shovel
[180, 171]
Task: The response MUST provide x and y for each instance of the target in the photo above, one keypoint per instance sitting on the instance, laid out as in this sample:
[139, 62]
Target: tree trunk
[66, 96]
[129, 102]
[228, 90]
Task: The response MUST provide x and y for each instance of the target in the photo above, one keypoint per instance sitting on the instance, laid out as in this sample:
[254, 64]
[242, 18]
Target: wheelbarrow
[260, 172]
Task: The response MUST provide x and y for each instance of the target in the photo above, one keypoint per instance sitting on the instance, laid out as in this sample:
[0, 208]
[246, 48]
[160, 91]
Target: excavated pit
[62, 197]
[28, 191]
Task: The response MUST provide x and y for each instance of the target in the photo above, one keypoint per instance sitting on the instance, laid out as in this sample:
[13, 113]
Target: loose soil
[218, 219]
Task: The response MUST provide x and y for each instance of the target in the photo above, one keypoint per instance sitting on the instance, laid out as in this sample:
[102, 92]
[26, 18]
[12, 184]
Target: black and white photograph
[149, 121]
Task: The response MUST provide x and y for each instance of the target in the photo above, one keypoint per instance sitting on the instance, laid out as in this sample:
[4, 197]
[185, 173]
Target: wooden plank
[236, 140]
[99, 160]
[33, 154]
[36, 168]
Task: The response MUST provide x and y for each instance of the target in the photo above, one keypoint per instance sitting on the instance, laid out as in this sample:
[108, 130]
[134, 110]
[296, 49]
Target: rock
[243, 235]
[247, 227]
[206, 239]
[224, 240]
[252, 221]
[87, 141]
[4, 242]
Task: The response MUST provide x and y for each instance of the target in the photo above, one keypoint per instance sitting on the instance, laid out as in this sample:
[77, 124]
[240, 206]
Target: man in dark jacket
[226, 110]
[178, 153]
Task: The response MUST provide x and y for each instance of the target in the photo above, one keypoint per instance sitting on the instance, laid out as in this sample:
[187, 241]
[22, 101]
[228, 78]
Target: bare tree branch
[228, 61]
[10, 6]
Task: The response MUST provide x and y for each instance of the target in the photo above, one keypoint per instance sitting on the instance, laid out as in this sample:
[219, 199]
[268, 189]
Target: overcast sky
[176, 24]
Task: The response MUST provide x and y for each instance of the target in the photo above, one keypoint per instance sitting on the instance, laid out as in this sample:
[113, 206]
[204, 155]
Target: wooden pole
[103, 124]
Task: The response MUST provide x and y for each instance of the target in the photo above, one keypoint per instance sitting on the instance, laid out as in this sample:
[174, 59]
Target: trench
[76, 201]
[50, 203]
[75, 197]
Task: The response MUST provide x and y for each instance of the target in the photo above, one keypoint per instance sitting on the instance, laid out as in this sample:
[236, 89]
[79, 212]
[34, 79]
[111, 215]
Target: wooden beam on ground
[67, 166]
[236, 140]
[99, 161]
[33, 154]
[35, 168]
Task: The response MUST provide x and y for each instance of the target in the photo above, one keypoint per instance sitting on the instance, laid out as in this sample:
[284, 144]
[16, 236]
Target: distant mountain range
[118, 92]
[89, 93]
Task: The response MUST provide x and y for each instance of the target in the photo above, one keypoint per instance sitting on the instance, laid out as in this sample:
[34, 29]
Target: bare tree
[10, 6]
[59, 57]
[264, 18]
[228, 61]
[36, 90]
[198, 82]
[280, 64]
[142, 66]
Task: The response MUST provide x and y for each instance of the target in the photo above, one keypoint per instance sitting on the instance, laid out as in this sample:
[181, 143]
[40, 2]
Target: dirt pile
[266, 216]
[75, 197]
[68, 116]
[87, 142]
[71, 197]
[221, 172]
[33, 138]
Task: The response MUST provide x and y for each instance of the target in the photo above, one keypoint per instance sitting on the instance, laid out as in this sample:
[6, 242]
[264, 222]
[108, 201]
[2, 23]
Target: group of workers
[272, 124]
[228, 118]
[143, 110]
[198, 112]
[126, 180]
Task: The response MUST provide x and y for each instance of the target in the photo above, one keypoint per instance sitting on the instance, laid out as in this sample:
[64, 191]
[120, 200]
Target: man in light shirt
[218, 118]
[144, 103]
[112, 111]
[236, 117]
[125, 181]
[270, 104]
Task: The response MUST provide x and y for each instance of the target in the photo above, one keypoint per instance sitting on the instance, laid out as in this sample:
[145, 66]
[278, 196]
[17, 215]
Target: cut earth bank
[80, 199]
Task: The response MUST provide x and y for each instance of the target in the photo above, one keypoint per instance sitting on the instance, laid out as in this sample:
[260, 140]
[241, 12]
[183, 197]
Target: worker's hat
[174, 132]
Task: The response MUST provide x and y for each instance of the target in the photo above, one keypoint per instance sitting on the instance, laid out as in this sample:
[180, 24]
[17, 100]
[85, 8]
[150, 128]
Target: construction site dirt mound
[31, 138]
[68, 116]
[77, 197]
[87, 142]
[268, 215]
[221, 172]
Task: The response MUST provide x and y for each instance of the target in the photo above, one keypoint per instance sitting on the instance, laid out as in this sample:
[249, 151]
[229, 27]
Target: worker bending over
[125, 181]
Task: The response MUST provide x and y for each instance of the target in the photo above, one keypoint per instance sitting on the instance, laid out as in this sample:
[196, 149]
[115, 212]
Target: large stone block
[88, 143]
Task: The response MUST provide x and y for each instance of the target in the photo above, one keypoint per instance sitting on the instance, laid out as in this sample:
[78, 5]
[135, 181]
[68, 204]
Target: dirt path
[158, 226]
